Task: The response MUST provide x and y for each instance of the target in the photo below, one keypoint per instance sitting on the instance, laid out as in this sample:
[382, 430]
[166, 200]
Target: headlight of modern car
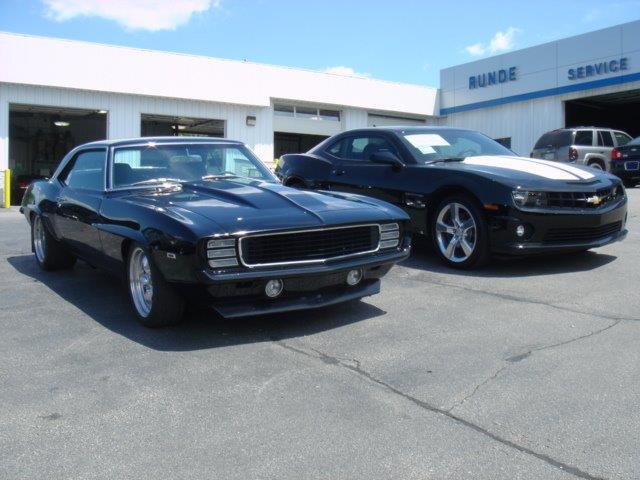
[526, 198]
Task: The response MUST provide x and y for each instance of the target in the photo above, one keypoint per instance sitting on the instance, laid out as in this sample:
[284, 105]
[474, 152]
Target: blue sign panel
[601, 68]
[492, 78]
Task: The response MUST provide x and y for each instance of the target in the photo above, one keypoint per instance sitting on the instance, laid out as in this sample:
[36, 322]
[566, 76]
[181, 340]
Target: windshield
[149, 164]
[434, 145]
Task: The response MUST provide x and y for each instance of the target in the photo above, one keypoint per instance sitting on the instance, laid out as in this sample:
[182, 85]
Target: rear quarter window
[584, 138]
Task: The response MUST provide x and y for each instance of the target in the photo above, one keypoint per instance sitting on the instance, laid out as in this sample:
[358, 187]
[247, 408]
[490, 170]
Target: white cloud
[500, 42]
[348, 71]
[152, 15]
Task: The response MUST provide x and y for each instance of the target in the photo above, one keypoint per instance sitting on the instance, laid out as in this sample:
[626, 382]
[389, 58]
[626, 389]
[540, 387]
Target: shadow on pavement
[103, 298]
[424, 258]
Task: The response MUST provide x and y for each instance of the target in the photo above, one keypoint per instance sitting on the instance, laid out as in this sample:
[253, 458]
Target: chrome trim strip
[306, 262]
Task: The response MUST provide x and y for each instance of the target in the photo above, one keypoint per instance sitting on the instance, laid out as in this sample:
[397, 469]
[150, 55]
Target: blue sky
[404, 41]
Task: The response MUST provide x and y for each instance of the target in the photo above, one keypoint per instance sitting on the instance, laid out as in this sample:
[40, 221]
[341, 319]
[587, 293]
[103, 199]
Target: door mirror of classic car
[222, 232]
[387, 158]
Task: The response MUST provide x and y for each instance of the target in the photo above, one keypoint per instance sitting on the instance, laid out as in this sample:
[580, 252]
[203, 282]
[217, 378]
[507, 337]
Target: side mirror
[387, 158]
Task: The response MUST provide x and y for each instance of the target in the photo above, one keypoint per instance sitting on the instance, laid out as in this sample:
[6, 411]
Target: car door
[356, 172]
[78, 203]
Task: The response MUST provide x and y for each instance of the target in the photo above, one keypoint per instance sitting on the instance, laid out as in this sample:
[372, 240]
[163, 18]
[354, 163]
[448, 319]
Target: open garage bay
[525, 369]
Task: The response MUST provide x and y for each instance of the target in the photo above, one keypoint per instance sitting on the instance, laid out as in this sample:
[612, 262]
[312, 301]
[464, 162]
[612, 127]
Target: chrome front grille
[309, 246]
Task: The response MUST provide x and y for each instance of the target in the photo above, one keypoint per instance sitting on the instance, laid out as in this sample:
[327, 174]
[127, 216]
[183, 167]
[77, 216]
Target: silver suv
[590, 146]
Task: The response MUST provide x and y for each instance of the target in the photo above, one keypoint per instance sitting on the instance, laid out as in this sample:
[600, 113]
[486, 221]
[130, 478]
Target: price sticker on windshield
[426, 141]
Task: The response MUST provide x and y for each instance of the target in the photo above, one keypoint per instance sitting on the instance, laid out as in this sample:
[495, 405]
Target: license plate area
[632, 166]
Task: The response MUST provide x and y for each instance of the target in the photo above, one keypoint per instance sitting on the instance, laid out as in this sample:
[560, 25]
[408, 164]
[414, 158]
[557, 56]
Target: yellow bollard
[7, 188]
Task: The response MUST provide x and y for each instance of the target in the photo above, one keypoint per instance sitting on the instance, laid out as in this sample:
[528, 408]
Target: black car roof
[138, 140]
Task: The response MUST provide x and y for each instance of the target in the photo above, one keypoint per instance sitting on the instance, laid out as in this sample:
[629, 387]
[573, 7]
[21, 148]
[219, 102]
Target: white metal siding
[526, 121]
[123, 118]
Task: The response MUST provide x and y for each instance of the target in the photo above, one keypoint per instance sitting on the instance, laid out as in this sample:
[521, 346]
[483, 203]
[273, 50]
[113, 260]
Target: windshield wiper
[448, 160]
[158, 180]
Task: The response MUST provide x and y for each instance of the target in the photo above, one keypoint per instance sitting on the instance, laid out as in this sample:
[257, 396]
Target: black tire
[630, 183]
[49, 253]
[479, 238]
[164, 306]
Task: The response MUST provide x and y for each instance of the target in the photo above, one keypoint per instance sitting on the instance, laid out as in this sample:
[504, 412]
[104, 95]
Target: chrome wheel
[39, 239]
[456, 232]
[140, 281]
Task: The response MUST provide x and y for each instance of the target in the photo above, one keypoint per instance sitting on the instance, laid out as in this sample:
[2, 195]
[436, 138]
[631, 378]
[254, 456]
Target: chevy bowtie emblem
[595, 200]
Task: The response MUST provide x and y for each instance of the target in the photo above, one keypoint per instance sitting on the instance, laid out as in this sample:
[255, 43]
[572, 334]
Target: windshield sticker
[426, 141]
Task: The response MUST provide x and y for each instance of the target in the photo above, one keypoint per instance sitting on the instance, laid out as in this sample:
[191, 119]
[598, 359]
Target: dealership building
[55, 94]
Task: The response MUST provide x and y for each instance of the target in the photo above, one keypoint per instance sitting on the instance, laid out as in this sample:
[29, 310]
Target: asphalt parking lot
[523, 370]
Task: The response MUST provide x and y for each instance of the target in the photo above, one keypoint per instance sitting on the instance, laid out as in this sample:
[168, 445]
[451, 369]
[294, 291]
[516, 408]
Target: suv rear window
[555, 139]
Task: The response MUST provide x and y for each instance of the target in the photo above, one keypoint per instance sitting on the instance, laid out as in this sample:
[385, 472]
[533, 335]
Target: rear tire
[459, 233]
[50, 254]
[154, 301]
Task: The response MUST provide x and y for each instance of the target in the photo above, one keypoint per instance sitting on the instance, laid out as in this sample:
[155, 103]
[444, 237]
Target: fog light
[354, 277]
[273, 288]
[520, 230]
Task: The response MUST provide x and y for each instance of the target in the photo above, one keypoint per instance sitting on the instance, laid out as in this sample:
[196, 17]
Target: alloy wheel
[39, 239]
[456, 232]
[140, 282]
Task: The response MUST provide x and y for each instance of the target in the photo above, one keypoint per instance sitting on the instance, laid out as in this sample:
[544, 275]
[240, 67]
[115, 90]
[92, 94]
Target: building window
[504, 141]
[161, 125]
[312, 113]
[284, 110]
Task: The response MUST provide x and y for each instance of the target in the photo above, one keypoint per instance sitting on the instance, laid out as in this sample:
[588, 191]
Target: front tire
[459, 233]
[154, 301]
[50, 253]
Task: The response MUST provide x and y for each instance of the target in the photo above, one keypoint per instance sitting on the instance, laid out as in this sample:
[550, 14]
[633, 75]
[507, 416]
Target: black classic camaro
[203, 220]
[470, 194]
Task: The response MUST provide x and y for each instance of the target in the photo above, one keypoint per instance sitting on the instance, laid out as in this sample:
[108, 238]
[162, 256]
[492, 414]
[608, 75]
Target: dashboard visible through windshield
[156, 163]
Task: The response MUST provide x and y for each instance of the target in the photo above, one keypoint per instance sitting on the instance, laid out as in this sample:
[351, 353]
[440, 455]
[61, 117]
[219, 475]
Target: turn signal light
[616, 154]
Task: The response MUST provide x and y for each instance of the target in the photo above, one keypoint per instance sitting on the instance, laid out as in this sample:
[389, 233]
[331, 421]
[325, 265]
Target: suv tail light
[616, 154]
[573, 154]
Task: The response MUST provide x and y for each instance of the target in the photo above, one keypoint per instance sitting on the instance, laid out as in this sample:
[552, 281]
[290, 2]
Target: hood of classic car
[256, 206]
[531, 172]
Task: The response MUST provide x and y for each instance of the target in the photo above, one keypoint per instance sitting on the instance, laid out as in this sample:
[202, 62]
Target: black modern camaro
[203, 220]
[470, 194]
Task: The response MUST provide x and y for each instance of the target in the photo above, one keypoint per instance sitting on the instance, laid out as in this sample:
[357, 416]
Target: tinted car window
[622, 138]
[361, 148]
[337, 148]
[86, 171]
[584, 137]
[604, 138]
[555, 139]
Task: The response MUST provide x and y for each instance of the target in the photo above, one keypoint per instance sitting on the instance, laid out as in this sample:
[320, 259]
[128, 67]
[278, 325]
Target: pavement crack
[530, 301]
[357, 369]
[478, 387]
[522, 356]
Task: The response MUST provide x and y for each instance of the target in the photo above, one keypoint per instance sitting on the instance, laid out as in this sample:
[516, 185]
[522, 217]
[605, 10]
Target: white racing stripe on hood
[550, 170]
[568, 168]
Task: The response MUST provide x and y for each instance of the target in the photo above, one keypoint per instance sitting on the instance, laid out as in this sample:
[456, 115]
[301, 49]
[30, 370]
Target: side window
[621, 138]
[584, 137]
[361, 148]
[338, 148]
[85, 170]
[604, 139]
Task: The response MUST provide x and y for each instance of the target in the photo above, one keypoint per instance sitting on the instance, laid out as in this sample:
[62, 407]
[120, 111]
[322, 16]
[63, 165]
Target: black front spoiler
[303, 302]
[535, 248]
